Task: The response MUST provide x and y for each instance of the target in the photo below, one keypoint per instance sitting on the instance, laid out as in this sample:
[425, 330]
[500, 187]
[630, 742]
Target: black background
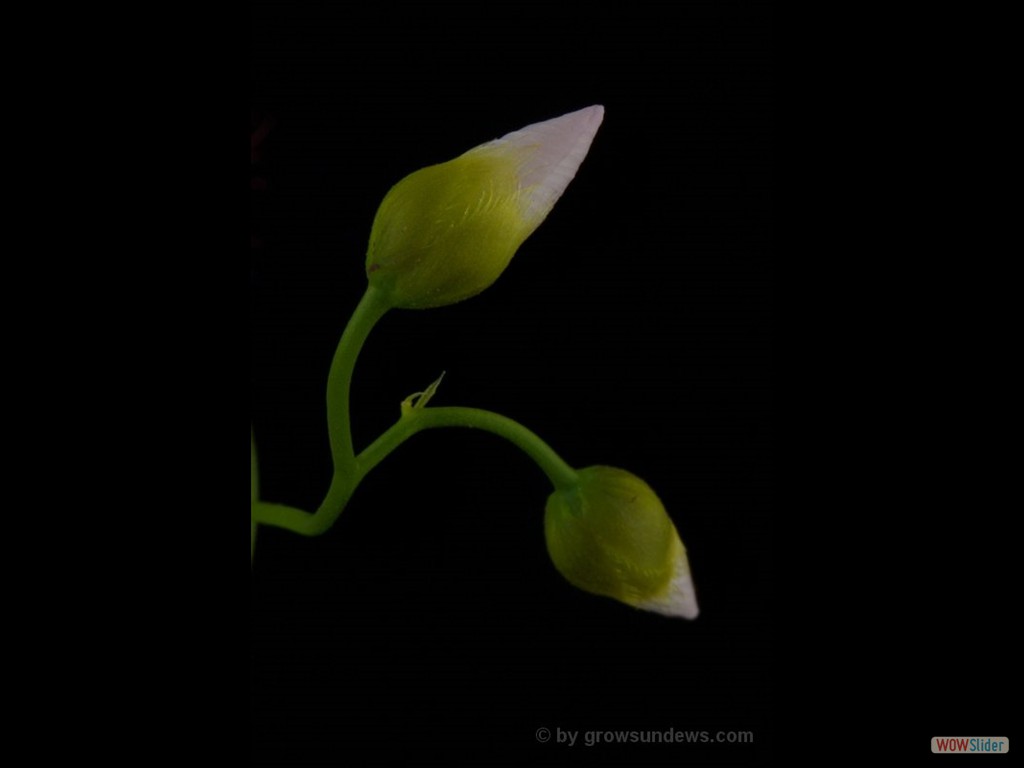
[634, 328]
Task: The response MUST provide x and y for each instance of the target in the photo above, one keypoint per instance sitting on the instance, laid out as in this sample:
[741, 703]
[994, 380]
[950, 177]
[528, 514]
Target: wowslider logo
[971, 745]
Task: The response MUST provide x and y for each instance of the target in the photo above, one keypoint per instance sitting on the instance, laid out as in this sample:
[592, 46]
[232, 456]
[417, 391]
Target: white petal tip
[572, 127]
[592, 115]
[679, 599]
[547, 155]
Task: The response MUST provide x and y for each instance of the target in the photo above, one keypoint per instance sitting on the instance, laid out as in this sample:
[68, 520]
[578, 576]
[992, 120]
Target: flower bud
[610, 535]
[446, 232]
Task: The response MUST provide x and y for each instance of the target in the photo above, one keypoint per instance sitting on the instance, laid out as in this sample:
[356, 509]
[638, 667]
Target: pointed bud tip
[679, 600]
[579, 125]
[593, 114]
[547, 156]
[584, 121]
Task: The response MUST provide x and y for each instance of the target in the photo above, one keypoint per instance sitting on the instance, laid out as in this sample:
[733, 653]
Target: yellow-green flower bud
[610, 535]
[446, 232]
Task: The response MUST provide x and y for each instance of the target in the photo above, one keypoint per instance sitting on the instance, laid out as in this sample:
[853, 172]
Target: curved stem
[281, 516]
[561, 475]
[370, 309]
[343, 485]
[349, 469]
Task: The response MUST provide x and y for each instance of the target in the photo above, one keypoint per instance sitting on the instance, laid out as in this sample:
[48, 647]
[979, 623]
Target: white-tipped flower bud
[610, 535]
[446, 232]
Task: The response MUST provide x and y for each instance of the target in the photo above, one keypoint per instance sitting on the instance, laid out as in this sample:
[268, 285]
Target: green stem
[561, 475]
[349, 470]
[370, 309]
[282, 516]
